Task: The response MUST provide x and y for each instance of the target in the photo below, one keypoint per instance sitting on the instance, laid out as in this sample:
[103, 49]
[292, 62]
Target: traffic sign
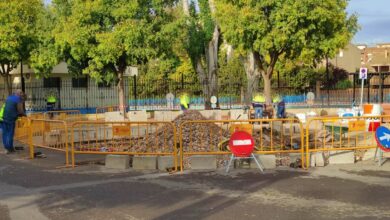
[382, 136]
[241, 144]
[363, 73]
[213, 100]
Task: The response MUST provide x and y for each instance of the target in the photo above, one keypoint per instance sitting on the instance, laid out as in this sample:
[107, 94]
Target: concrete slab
[238, 114]
[369, 154]
[342, 157]
[317, 159]
[203, 162]
[117, 161]
[137, 115]
[267, 160]
[113, 116]
[145, 162]
[211, 114]
[164, 162]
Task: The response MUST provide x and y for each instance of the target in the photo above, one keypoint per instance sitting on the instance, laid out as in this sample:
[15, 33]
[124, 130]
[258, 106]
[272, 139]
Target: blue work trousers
[258, 112]
[8, 135]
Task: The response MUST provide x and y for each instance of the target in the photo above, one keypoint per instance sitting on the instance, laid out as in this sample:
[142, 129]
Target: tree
[267, 30]
[18, 34]
[102, 38]
[202, 44]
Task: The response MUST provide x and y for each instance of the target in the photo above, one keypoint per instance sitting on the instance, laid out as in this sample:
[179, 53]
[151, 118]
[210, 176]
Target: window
[104, 85]
[80, 82]
[52, 82]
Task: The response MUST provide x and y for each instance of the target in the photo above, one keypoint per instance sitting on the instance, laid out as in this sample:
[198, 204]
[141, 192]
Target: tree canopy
[272, 29]
[19, 31]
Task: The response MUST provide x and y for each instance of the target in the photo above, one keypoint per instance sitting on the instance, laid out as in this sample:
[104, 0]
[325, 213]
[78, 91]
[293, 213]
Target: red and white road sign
[241, 144]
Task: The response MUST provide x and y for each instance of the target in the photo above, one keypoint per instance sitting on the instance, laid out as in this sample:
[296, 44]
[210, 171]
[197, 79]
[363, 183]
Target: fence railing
[280, 137]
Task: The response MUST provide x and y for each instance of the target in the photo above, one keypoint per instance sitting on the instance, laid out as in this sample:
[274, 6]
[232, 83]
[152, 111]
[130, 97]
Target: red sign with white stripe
[241, 144]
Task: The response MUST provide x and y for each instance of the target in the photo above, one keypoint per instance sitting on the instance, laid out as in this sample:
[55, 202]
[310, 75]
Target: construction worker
[279, 106]
[13, 108]
[258, 103]
[51, 101]
[184, 102]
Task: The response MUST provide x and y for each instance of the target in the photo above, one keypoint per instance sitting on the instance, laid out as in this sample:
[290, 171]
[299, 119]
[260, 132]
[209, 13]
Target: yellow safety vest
[258, 98]
[51, 99]
[184, 100]
[2, 112]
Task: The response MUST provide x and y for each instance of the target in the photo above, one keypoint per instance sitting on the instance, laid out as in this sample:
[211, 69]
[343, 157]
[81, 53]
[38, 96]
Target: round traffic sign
[213, 99]
[382, 136]
[241, 144]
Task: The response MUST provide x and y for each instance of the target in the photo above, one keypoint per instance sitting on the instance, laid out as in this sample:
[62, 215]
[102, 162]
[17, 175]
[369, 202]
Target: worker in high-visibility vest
[184, 102]
[280, 106]
[258, 103]
[51, 101]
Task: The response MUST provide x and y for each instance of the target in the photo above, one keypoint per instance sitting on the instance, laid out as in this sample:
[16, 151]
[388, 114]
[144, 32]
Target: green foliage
[19, 30]
[101, 38]
[200, 26]
[231, 75]
[344, 84]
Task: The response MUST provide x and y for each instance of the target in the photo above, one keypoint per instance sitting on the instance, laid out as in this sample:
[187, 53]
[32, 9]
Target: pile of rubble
[196, 136]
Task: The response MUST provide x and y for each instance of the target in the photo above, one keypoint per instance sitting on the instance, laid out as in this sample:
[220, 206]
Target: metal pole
[354, 87]
[368, 89]
[135, 90]
[22, 77]
[327, 77]
[361, 94]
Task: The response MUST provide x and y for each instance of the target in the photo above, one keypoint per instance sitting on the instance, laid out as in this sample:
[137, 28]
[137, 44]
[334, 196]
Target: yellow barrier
[21, 129]
[69, 115]
[124, 138]
[271, 136]
[101, 110]
[341, 134]
[49, 134]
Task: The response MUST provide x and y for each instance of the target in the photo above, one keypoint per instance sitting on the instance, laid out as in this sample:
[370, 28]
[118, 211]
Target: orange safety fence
[49, 134]
[68, 115]
[124, 138]
[326, 135]
[271, 136]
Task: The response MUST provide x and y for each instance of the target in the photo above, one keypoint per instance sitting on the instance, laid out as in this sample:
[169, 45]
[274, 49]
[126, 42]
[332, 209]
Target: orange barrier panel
[271, 136]
[124, 138]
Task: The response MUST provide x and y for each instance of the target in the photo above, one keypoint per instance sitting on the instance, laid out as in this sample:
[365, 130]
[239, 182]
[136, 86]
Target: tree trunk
[186, 7]
[267, 89]
[8, 84]
[253, 76]
[318, 89]
[121, 94]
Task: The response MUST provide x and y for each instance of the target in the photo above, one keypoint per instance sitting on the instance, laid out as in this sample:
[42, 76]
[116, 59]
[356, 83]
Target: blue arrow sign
[383, 137]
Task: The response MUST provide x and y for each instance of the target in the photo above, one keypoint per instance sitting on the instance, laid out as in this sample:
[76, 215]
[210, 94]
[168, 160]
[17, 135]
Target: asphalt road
[36, 189]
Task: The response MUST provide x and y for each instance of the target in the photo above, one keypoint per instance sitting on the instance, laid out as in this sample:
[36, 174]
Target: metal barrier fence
[49, 134]
[271, 136]
[124, 138]
[68, 115]
[341, 134]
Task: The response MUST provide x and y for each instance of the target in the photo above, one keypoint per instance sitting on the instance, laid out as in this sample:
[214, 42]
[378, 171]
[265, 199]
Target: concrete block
[294, 157]
[164, 162]
[317, 159]
[342, 157]
[113, 116]
[137, 115]
[277, 126]
[369, 154]
[144, 162]
[211, 114]
[238, 113]
[117, 161]
[160, 116]
[267, 160]
[203, 162]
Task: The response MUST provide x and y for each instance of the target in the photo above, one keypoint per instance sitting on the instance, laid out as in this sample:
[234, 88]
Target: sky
[374, 20]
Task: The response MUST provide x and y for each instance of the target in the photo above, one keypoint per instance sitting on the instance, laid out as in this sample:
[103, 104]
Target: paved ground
[36, 189]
